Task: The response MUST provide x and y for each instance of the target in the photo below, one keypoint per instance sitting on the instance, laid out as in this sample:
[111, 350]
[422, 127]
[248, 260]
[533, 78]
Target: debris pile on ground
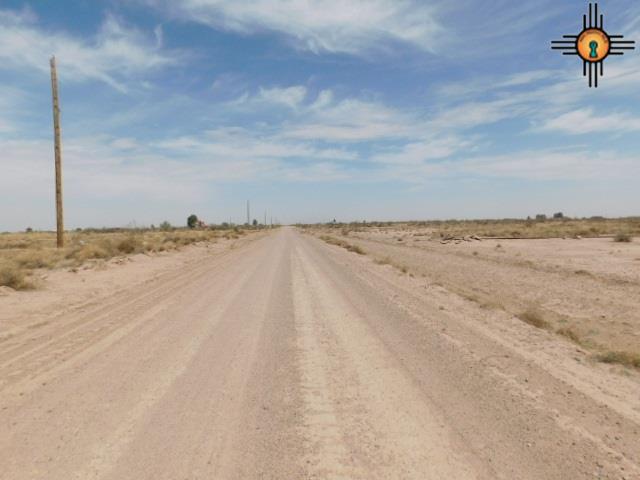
[446, 239]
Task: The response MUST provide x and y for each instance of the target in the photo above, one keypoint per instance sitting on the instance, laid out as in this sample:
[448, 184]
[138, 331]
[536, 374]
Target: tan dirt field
[280, 356]
[587, 289]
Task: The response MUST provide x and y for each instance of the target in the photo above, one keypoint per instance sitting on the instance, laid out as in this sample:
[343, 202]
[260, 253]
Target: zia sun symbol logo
[593, 45]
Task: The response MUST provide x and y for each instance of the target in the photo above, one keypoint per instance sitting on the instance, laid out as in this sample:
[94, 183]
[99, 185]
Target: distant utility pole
[58, 153]
[265, 218]
[248, 213]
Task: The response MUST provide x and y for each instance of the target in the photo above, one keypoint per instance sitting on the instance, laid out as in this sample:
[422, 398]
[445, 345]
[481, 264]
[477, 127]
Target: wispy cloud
[291, 97]
[585, 122]
[320, 26]
[114, 54]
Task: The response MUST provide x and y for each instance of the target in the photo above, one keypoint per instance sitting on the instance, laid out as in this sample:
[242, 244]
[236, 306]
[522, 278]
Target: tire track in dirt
[364, 417]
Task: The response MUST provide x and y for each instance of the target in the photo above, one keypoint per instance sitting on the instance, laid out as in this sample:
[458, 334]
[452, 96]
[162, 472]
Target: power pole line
[265, 218]
[248, 214]
[58, 153]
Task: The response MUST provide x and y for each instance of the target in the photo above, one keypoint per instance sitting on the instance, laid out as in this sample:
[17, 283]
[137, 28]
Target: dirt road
[287, 358]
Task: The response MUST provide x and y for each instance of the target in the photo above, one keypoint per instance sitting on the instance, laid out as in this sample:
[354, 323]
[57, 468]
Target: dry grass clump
[22, 253]
[571, 334]
[622, 237]
[129, 245]
[341, 243]
[94, 251]
[12, 276]
[40, 258]
[506, 228]
[355, 249]
[535, 318]
[383, 261]
[622, 358]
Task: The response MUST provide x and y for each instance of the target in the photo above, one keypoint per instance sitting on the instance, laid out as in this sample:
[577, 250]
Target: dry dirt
[288, 358]
[590, 287]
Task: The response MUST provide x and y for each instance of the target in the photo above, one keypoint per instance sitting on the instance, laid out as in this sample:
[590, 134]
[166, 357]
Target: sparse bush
[12, 276]
[622, 238]
[103, 250]
[128, 245]
[383, 261]
[570, 334]
[36, 259]
[355, 249]
[165, 226]
[534, 317]
[623, 358]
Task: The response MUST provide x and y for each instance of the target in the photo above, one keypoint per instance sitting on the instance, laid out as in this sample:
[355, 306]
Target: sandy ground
[591, 286]
[287, 358]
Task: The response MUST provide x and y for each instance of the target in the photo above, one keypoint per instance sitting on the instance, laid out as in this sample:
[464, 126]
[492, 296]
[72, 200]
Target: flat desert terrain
[314, 353]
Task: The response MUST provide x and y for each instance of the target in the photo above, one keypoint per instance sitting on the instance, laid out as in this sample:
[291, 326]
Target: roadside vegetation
[540, 226]
[23, 253]
[341, 243]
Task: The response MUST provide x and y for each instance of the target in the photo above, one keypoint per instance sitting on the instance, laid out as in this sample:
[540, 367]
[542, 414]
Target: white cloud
[353, 27]
[350, 120]
[290, 97]
[552, 165]
[418, 153]
[116, 52]
[586, 121]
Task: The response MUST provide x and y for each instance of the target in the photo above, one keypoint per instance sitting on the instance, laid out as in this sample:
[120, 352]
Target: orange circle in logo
[593, 45]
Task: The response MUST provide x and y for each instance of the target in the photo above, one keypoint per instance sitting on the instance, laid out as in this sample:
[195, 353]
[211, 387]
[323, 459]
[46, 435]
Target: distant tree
[224, 225]
[541, 217]
[558, 215]
[29, 229]
[192, 221]
[255, 222]
[165, 226]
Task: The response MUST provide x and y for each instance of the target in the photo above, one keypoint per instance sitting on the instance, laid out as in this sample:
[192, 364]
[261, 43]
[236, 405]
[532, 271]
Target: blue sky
[313, 110]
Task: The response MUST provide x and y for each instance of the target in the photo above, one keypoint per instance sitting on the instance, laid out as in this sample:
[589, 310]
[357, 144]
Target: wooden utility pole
[58, 153]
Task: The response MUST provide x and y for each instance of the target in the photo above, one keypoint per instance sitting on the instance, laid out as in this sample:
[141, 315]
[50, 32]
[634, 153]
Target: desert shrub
[36, 259]
[93, 251]
[165, 226]
[192, 221]
[622, 238]
[534, 317]
[570, 334]
[11, 275]
[383, 261]
[128, 245]
[355, 249]
[622, 358]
